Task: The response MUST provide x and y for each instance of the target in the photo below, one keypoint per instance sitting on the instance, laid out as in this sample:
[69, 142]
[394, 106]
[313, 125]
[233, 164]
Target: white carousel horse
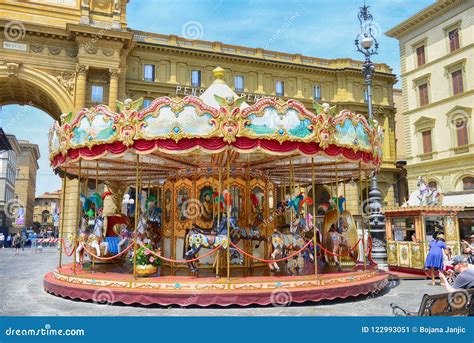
[93, 240]
[125, 237]
[423, 196]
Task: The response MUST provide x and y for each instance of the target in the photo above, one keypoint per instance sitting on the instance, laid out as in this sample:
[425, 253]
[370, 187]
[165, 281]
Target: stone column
[173, 72]
[113, 88]
[260, 86]
[70, 208]
[81, 82]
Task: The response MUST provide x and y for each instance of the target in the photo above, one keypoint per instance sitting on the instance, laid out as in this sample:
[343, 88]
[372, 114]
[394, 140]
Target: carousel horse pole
[367, 192]
[78, 210]
[63, 195]
[229, 205]
[313, 188]
[135, 245]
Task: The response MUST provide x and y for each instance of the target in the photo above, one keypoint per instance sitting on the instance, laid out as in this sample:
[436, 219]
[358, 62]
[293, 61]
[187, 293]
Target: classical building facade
[73, 54]
[25, 184]
[437, 64]
[46, 209]
[9, 151]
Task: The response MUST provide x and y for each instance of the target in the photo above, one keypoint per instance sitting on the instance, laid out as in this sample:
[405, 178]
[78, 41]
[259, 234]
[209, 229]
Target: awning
[466, 200]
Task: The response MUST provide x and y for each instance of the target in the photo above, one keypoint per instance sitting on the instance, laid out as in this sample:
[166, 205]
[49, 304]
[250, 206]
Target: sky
[319, 28]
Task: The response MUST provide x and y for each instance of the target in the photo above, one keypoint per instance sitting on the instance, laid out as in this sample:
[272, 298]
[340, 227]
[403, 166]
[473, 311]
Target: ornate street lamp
[367, 44]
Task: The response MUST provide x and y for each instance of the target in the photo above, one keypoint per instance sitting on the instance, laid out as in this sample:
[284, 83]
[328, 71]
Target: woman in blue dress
[434, 259]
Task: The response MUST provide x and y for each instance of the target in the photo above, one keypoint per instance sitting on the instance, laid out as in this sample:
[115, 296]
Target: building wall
[46, 203]
[448, 163]
[25, 187]
[399, 124]
[7, 181]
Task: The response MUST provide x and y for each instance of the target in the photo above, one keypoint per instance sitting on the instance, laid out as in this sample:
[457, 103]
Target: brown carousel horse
[340, 242]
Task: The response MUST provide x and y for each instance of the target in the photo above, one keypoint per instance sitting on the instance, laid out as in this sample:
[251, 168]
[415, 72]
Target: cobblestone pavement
[22, 294]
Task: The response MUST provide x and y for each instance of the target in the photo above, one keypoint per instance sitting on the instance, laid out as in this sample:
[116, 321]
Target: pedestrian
[16, 243]
[33, 239]
[434, 259]
[9, 241]
[464, 278]
[23, 241]
[2, 240]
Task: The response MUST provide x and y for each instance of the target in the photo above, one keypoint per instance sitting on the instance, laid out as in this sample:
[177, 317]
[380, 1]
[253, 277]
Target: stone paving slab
[22, 294]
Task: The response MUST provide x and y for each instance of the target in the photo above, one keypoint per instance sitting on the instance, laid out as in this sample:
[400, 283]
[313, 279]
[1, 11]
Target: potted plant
[147, 263]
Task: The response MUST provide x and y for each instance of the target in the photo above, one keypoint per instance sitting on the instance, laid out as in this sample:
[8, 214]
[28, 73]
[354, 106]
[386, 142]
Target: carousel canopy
[183, 135]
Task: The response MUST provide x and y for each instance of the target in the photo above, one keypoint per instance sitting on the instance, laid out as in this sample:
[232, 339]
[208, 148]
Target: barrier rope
[107, 258]
[181, 261]
[270, 261]
[339, 255]
[63, 243]
[369, 251]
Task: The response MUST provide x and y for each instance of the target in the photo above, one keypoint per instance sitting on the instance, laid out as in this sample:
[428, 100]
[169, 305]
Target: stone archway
[23, 85]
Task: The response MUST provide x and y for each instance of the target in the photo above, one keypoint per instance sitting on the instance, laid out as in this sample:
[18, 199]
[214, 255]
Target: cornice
[439, 102]
[438, 60]
[422, 17]
[258, 60]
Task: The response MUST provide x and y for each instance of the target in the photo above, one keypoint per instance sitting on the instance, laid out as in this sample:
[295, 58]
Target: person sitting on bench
[465, 277]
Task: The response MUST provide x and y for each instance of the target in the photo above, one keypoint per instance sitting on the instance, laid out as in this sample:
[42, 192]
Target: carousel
[209, 201]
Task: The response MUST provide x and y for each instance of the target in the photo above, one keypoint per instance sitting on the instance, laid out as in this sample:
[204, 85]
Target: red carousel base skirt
[185, 291]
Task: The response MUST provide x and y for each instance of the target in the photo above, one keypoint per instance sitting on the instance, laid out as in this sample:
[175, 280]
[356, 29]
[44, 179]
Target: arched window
[45, 216]
[468, 183]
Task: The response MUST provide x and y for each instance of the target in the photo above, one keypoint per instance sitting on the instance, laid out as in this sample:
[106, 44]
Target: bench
[459, 303]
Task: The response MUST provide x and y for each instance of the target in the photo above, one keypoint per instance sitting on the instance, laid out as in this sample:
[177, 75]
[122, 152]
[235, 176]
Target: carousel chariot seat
[113, 244]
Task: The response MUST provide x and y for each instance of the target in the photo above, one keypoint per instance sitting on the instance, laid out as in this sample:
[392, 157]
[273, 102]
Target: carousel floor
[120, 287]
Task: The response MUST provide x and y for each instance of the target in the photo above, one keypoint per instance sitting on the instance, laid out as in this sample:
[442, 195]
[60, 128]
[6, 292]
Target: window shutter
[427, 144]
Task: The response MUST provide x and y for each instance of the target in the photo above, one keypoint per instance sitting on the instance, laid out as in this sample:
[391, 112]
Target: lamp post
[367, 44]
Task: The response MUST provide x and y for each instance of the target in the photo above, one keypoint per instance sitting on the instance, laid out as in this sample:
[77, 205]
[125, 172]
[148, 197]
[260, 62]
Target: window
[423, 92]
[196, 78]
[147, 102]
[468, 183]
[420, 55]
[149, 72]
[239, 83]
[427, 142]
[317, 92]
[461, 132]
[454, 39]
[457, 82]
[97, 93]
[280, 88]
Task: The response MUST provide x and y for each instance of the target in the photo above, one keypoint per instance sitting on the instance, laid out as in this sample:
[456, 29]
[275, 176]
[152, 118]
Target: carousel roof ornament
[184, 133]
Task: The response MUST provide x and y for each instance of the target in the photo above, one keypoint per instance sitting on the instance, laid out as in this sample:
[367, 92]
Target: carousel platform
[206, 291]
